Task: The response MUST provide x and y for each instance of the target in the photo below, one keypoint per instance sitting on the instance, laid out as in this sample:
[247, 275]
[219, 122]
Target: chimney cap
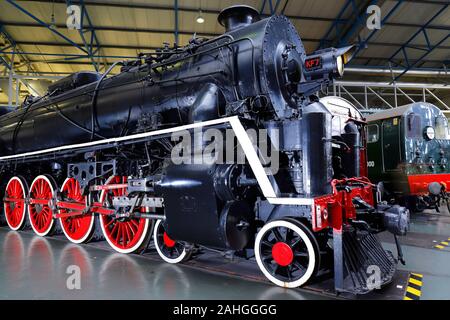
[235, 13]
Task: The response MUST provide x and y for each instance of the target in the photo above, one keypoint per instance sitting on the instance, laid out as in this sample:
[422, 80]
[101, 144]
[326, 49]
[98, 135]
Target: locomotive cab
[408, 152]
[349, 143]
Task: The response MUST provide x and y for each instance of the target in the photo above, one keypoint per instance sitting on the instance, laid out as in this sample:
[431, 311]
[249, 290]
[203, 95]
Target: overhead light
[52, 22]
[200, 18]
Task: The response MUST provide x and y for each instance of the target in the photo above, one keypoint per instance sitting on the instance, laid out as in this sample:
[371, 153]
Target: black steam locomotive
[96, 154]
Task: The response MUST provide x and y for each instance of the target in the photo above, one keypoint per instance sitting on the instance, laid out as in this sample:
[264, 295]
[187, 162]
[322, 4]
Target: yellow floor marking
[407, 298]
[413, 291]
[417, 274]
[416, 282]
[439, 247]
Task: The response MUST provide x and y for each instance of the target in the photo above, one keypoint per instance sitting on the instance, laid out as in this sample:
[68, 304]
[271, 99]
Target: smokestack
[236, 17]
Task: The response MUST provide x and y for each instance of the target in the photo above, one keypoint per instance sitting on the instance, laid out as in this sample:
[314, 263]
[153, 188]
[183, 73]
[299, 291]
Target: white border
[83, 239]
[244, 140]
[309, 246]
[46, 232]
[138, 244]
[166, 259]
[25, 207]
[121, 139]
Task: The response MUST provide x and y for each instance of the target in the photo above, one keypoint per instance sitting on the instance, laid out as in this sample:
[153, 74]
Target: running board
[365, 265]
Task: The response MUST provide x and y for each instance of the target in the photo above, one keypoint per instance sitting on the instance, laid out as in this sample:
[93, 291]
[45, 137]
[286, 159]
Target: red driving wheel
[14, 203]
[39, 211]
[125, 235]
[78, 228]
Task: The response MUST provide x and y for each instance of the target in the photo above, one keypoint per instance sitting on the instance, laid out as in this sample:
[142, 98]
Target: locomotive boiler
[122, 157]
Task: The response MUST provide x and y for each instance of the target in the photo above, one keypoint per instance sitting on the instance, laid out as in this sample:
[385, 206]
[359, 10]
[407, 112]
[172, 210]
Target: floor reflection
[37, 268]
[172, 281]
[39, 264]
[13, 264]
[76, 255]
[277, 293]
[121, 275]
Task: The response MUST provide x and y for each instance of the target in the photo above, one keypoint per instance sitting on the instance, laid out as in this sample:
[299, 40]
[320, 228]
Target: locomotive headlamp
[429, 133]
[328, 62]
[343, 56]
[347, 53]
[340, 65]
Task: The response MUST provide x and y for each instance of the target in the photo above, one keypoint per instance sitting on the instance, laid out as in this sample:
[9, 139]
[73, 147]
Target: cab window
[441, 128]
[373, 133]
[336, 126]
[414, 126]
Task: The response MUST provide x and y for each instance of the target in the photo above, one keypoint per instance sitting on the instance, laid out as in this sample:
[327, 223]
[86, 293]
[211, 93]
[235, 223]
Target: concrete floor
[427, 230]
[35, 268]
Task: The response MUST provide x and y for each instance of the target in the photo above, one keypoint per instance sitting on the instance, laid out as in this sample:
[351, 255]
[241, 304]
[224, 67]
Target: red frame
[418, 184]
[337, 208]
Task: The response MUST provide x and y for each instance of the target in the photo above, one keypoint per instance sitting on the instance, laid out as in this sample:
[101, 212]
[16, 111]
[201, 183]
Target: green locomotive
[408, 149]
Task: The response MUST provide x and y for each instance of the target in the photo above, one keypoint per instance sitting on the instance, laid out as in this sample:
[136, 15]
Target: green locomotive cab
[407, 155]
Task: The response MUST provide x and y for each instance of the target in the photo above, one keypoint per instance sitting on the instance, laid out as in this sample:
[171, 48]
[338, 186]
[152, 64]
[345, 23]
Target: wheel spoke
[299, 266]
[126, 227]
[267, 243]
[119, 233]
[301, 254]
[177, 250]
[288, 270]
[296, 242]
[277, 269]
[133, 228]
[277, 235]
[115, 227]
[289, 235]
[109, 223]
[135, 223]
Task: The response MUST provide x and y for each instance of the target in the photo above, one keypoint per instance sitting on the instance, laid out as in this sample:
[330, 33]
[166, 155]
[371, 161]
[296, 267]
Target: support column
[338, 260]
[10, 89]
